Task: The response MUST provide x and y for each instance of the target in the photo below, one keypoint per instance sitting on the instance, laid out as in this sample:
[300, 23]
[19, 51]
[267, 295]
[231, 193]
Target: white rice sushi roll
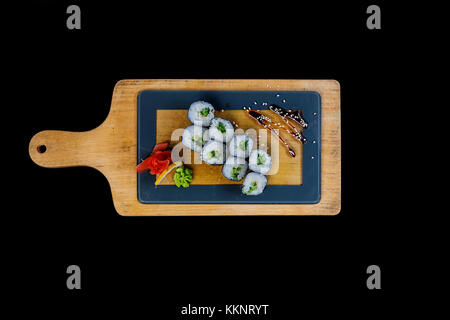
[260, 161]
[254, 184]
[201, 113]
[241, 145]
[213, 152]
[194, 137]
[234, 168]
[221, 130]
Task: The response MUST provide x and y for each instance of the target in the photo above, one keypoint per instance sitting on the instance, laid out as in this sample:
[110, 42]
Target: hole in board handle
[41, 148]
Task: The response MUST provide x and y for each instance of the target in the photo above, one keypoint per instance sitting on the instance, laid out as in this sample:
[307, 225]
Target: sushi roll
[234, 168]
[213, 152]
[260, 161]
[241, 145]
[221, 130]
[194, 137]
[201, 113]
[254, 184]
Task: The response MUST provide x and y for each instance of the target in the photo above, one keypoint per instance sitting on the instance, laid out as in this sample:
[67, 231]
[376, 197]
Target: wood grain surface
[111, 148]
[286, 170]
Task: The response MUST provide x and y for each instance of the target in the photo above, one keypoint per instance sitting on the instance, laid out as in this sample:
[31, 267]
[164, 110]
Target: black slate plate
[309, 102]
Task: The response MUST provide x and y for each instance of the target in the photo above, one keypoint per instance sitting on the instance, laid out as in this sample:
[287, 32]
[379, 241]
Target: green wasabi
[183, 177]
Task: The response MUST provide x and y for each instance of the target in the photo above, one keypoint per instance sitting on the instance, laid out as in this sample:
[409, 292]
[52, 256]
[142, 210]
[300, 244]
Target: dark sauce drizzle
[294, 132]
[295, 115]
[265, 122]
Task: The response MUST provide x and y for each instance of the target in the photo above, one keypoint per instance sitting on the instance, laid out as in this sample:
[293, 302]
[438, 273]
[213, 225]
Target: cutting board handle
[60, 149]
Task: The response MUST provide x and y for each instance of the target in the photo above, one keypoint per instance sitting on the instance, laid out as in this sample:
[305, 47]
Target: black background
[64, 80]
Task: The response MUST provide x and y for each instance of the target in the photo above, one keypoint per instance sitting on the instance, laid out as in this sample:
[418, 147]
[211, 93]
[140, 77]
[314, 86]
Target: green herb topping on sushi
[236, 171]
[201, 113]
[253, 187]
[221, 127]
[254, 184]
[243, 145]
[198, 140]
[221, 130]
[204, 112]
[261, 159]
[234, 168]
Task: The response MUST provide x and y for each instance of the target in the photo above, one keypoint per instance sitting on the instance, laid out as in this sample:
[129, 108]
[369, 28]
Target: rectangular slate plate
[308, 101]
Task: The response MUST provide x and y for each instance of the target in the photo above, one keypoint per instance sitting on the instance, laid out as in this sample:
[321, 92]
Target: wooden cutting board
[111, 148]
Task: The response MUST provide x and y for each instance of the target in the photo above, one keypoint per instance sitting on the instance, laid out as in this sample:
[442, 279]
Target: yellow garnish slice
[165, 172]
